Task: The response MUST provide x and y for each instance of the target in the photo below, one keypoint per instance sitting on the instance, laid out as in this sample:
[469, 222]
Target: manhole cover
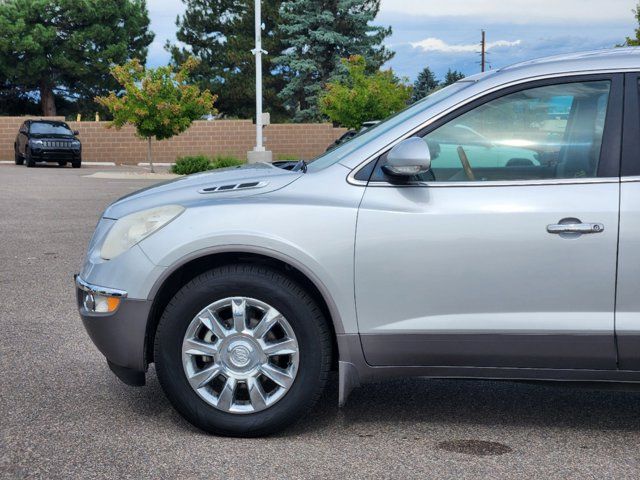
[474, 447]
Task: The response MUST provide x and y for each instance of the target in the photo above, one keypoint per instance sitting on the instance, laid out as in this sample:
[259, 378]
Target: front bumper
[55, 155]
[120, 336]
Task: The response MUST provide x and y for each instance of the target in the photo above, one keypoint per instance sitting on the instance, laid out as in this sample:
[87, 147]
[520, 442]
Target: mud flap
[348, 379]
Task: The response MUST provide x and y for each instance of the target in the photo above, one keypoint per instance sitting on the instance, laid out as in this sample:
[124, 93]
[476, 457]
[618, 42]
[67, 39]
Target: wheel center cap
[240, 354]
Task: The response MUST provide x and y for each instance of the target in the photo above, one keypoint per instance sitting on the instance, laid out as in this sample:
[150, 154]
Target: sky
[443, 34]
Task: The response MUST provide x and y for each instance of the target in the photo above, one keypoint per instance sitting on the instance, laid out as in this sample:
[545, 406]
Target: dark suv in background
[47, 141]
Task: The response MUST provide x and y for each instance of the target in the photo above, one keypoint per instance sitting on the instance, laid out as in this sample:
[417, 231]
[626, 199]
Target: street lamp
[259, 153]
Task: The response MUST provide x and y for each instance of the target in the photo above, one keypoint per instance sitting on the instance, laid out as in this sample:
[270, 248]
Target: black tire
[267, 285]
[76, 163]
[18, 158]
[62, 164]
[28, 159]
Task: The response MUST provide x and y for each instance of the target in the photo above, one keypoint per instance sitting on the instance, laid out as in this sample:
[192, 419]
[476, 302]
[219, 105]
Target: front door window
[550, 132]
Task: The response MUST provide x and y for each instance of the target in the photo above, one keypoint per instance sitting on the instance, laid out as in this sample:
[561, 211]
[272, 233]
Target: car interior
[551, 132]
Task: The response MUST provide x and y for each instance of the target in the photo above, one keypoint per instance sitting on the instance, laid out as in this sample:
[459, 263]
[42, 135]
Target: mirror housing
[76, 132]
[408, 158]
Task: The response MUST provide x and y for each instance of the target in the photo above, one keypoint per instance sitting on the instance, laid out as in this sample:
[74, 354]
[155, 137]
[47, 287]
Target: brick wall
[234, 137]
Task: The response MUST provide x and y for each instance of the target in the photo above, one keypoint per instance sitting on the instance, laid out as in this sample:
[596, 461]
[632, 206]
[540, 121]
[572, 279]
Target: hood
[41, 136]
[227, 183]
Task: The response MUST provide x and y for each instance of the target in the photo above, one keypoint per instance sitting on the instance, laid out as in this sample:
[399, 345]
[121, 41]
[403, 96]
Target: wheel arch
[193, 265]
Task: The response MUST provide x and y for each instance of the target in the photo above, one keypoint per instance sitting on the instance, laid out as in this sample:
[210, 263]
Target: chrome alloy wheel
[240, 355]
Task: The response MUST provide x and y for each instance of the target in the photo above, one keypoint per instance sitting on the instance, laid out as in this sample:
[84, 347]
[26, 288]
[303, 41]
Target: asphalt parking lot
[64, 415]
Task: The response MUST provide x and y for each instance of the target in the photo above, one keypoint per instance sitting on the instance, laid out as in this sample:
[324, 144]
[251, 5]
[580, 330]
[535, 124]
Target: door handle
[575, 227]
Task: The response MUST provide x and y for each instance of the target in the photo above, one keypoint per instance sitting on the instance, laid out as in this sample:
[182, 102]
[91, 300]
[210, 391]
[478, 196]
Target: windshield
[337, 154]
[50, 129]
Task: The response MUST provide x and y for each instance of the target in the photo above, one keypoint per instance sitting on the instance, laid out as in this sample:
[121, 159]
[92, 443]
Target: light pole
[259, 153]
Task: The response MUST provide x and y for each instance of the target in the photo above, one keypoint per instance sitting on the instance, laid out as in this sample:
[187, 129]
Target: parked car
[47, 141]
[349, 134]
[481, 233]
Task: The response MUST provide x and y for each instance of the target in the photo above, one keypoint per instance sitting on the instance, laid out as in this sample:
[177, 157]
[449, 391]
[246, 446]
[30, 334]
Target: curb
[159, 164]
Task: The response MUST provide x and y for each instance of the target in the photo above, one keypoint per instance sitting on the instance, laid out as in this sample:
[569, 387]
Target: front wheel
[18, 158]
[28, 159]
[76, 163]
[242, 351]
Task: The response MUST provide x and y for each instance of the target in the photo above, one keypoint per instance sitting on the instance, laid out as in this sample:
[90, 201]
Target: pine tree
[635, 40]
[452, 76]
[66, 47]
[220, 34]
[424, 85]
[317, 35]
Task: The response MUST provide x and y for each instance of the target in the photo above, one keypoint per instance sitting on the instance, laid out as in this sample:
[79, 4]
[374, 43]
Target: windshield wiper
[300, 166]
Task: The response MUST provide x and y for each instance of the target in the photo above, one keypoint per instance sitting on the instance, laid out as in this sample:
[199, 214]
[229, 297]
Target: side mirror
[76, 132]
[408, 158]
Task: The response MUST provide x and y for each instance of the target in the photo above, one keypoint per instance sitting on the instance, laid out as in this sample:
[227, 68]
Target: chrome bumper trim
[95, 289]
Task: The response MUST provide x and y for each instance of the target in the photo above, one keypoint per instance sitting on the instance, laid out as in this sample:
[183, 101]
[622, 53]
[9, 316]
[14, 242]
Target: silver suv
[491, 230]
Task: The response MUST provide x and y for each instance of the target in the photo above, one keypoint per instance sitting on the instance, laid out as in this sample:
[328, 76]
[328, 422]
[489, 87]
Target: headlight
[133, 228]
[36, 143]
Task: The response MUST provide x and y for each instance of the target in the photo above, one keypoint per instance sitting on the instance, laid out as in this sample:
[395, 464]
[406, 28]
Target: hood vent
[234, 187]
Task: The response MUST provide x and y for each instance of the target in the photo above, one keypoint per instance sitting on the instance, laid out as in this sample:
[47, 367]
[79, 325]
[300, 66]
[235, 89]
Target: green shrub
[224, 161]
[191, 164]
[201, 163]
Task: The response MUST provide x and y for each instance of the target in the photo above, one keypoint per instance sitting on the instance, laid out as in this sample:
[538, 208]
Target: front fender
[303, 267]
[324, 255]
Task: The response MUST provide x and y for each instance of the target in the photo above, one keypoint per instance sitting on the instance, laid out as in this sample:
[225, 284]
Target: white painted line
[132, 176]
[6, 162]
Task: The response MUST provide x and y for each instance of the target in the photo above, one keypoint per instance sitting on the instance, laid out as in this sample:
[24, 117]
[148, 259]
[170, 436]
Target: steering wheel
[466, 166]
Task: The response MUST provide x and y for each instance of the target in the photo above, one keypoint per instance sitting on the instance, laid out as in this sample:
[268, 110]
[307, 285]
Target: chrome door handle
[575, 228]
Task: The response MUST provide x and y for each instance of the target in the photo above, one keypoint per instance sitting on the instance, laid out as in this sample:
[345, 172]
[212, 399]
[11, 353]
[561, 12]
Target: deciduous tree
[159, 102]
[363, 96]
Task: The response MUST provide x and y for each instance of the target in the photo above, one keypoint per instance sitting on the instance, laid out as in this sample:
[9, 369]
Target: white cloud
[518, 11]
[432, 44]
